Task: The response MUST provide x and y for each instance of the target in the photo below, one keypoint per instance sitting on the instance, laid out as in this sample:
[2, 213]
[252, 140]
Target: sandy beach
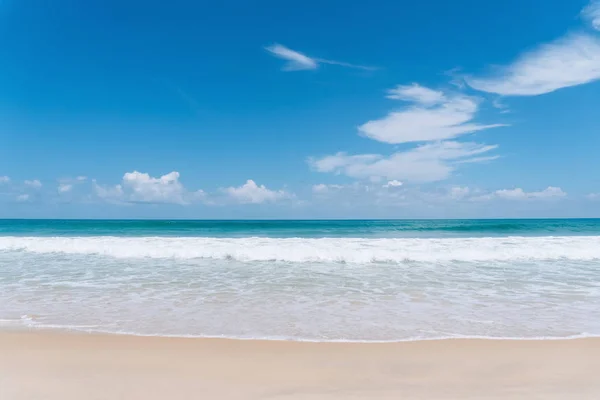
[63, 366]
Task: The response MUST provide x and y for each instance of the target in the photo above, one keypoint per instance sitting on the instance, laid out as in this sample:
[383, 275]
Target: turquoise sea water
[304, 280]
[309, 229]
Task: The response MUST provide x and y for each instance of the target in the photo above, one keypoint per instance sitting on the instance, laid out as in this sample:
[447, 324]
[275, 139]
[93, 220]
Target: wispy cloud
[416, 93]
[570, 61]
[392, 184]
[23, 198]
[64, 187]
[4, 179]
[433, 115]
[193, 104]
[297, 61]
[592, 14]
[323, 188]
[426, 163]
[551, 192]
[345, 64]
[36, 184]
[368, 194]
[498, 104]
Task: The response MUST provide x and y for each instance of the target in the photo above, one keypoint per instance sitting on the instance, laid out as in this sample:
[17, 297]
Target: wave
[348, 250]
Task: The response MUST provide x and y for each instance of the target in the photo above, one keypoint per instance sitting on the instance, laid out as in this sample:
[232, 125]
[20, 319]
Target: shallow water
[357, 282]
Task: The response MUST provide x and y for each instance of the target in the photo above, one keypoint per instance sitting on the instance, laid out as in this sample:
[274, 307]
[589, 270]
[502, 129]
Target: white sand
[61, 366]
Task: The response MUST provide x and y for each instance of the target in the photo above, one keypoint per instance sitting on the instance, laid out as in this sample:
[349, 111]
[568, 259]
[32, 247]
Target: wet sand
[63, 366]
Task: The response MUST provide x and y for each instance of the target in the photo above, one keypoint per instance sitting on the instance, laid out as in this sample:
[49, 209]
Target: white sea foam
[385, 289]
[349, 250]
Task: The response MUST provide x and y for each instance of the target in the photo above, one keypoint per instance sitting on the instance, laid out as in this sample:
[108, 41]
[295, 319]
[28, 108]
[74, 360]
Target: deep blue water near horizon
[339, 280]
[302, 228]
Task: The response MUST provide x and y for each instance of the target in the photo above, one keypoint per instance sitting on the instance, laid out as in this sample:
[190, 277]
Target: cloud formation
[251, 193]
[146, 189]
[518, 194]
[64, 187]
[432, 116]
[459, 192]
[392, 184]
[368, 194]
[322, 188]
[570, 61]
[138, 187]
[36, 184]
[417, 94]
[426, 163]
[296, 61]
[592, 14]
[4, 179]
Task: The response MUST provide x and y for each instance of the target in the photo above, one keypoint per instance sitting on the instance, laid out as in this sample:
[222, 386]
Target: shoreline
[55, 365]
[74, 331]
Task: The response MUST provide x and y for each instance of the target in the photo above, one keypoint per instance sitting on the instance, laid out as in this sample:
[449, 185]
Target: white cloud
[4, 179]
[417, 94]
[64, 187]
[323, 188]
[570, 61]
[251, 193]
[320, 188]
[23, 197]
[520, 194]
[356, 194]
[345, 64]
[138, 187]
[433, 116]
[550, 192]
[33, 183]
[592, 14]
[146, 189]
[426, 163]
[498, 104]
[392, 183]
[297, 61]
[109, 193]
[593, 196]
[367, 194]
[458, 192]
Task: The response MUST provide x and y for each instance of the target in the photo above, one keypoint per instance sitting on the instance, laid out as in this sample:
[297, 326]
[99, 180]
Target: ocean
[363, 281]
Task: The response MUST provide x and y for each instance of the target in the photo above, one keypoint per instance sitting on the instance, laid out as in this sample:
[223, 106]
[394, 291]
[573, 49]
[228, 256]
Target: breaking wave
[346, 250]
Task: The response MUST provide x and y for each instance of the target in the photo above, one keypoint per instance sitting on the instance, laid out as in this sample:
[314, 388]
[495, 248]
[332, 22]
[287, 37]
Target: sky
[269, 109]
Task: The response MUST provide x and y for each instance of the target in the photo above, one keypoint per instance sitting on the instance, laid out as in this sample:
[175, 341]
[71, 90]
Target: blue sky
[264, 109]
